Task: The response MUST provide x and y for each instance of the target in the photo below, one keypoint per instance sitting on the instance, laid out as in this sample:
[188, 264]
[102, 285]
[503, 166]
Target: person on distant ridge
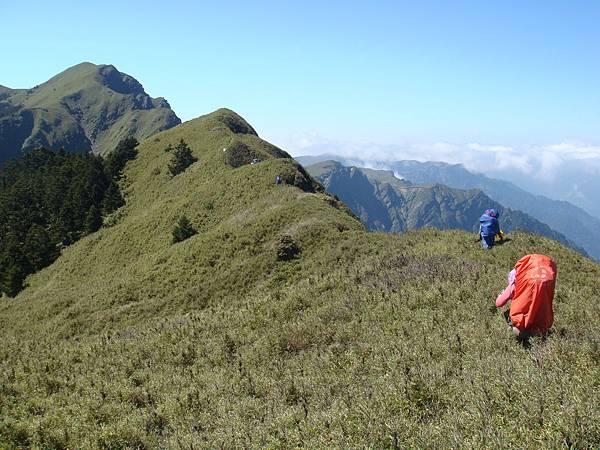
[489, 227]
[531, 288]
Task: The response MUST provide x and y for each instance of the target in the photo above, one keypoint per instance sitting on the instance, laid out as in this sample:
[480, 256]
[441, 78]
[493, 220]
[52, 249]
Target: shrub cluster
[239, 154]
[287, 248]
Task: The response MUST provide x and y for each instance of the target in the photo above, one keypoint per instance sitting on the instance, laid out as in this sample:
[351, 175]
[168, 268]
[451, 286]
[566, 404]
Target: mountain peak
[86, 73]
[233, 121]
[75, 73]
[109, 76]
[87, 107]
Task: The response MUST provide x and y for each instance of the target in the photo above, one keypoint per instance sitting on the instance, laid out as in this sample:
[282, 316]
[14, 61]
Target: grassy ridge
[371, 339]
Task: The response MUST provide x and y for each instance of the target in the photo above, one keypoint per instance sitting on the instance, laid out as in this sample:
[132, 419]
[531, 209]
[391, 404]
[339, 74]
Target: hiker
[489, 227]
[278, 179]
[531, 288]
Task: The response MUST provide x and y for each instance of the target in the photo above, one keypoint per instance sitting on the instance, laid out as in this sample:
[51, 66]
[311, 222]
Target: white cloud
[575, 150]
[542, 162]
[490, 148]
[548, 163]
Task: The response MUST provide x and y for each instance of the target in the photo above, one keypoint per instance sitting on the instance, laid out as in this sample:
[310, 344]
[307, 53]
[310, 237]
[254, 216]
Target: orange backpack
[531, 307]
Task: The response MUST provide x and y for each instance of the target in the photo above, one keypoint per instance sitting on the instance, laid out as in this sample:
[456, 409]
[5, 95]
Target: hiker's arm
[497, 226]
[505, 296]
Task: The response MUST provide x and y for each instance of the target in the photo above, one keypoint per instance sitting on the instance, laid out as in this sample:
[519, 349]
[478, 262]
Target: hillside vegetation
[86, 108]
[284, 323]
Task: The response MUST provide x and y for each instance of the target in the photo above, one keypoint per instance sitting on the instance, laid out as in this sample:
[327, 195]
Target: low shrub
[239, 154]
[287, 248]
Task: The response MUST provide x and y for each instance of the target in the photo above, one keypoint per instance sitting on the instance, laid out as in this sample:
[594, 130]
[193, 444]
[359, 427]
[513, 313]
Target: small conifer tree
[113, 199]
[11, 280]
[116, 160]
[93, 219]
[14, 266]
[182, 158]
[183, 230]
[38, 248]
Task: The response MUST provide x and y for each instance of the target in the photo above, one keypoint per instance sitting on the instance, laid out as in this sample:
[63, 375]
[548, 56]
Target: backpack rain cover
[531, 308]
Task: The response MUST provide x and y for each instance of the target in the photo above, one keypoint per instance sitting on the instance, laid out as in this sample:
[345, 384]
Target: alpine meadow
[283, 322]
[309, 225]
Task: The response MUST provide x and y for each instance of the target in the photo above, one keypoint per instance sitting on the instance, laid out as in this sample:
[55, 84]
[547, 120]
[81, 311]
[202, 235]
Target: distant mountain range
[385, 203]
[576, 181]
[574, 223]
[86, 108]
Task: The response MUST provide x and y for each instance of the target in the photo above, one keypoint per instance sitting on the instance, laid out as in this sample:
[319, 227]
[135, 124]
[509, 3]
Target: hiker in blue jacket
[489, 227]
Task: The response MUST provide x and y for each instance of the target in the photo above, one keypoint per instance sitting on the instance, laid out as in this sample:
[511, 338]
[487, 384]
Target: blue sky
[515, 73]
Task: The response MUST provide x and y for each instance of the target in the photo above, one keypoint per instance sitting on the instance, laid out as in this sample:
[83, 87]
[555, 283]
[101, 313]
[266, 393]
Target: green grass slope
[87, 107]
[363, 339]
